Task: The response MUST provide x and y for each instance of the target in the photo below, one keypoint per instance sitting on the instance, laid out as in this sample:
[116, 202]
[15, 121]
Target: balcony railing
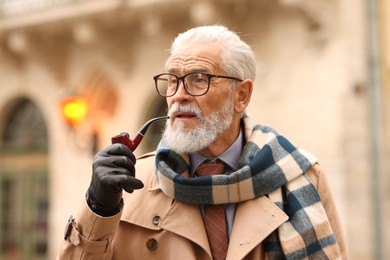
[14, 7]
[22, 13]
[16, 14]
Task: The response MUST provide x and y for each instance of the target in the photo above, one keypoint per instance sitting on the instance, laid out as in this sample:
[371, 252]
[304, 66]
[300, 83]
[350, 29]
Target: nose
[181, 93]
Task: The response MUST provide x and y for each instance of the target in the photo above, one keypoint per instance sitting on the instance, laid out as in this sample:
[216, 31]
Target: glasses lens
[166, 85]
[197, 83]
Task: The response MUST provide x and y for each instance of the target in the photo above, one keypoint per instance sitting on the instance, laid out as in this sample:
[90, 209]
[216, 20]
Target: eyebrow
[190, 71]
[172, 71]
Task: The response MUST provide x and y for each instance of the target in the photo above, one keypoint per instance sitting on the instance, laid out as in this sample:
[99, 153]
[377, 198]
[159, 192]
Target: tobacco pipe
[124, 138]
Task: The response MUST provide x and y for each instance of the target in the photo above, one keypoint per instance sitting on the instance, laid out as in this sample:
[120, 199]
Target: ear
[242, 95]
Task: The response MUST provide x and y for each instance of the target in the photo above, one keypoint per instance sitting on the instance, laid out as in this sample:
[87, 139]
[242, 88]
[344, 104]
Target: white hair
[237, 58]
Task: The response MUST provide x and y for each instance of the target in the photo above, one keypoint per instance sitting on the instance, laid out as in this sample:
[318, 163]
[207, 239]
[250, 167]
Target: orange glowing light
[74, 110]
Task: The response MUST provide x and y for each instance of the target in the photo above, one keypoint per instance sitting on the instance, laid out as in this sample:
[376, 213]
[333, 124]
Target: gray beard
[184, 141]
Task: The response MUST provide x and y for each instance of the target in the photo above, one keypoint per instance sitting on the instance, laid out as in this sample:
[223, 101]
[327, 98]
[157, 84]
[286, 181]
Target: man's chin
[182, 125]
[185, 141]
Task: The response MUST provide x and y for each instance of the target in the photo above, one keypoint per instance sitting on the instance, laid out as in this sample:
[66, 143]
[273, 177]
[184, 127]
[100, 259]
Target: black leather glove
[113, 171]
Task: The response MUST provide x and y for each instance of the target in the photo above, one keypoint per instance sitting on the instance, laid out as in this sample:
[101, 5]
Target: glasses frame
[209, 77]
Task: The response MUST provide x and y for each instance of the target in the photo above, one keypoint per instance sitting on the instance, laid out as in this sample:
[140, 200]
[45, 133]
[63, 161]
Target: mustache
[185, 108]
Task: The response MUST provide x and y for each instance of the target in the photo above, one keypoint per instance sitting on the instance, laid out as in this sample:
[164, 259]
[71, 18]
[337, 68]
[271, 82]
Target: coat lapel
[254, 221]
[186, 220]
[180, 218]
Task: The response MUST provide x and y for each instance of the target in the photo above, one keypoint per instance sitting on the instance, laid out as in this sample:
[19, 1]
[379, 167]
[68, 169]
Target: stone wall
[312, 86]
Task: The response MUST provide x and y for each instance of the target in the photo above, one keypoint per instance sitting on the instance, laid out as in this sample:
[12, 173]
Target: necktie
[214, 215]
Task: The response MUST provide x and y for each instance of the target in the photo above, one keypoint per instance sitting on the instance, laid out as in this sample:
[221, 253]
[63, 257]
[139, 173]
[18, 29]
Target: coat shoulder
[316, 175]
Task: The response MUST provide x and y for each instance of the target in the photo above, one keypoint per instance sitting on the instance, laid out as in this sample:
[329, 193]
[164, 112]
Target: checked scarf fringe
[271, 166]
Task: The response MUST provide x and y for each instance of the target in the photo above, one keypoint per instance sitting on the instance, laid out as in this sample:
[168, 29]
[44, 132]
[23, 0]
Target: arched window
[23, 182]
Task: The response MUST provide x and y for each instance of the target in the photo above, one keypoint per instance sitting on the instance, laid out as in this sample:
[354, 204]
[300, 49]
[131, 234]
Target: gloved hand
[113, 170]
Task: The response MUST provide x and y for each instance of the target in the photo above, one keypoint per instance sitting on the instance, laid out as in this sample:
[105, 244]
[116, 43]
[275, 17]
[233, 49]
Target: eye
[172, 80]
[199, 78]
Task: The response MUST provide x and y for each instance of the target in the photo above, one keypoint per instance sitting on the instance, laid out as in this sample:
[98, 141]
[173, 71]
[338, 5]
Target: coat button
[156, 220]
[151, 244]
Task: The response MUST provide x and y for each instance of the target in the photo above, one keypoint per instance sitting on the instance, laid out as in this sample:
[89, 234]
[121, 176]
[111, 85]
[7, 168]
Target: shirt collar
[230, 156]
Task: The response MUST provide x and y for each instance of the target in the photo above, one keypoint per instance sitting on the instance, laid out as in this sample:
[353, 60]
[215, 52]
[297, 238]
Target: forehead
[195, 56]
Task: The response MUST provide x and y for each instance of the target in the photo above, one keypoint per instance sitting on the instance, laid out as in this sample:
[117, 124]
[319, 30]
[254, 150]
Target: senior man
[218, 186]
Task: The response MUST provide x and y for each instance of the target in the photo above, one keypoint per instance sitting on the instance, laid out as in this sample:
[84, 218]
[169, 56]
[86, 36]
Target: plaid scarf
[272, 166]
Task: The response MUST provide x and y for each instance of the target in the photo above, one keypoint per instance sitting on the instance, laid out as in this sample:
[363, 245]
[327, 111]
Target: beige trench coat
[153, 226]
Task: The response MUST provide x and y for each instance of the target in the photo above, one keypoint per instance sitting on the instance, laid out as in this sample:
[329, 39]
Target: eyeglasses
[195, 83]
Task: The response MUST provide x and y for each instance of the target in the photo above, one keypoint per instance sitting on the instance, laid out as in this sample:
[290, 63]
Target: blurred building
[323, 81]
